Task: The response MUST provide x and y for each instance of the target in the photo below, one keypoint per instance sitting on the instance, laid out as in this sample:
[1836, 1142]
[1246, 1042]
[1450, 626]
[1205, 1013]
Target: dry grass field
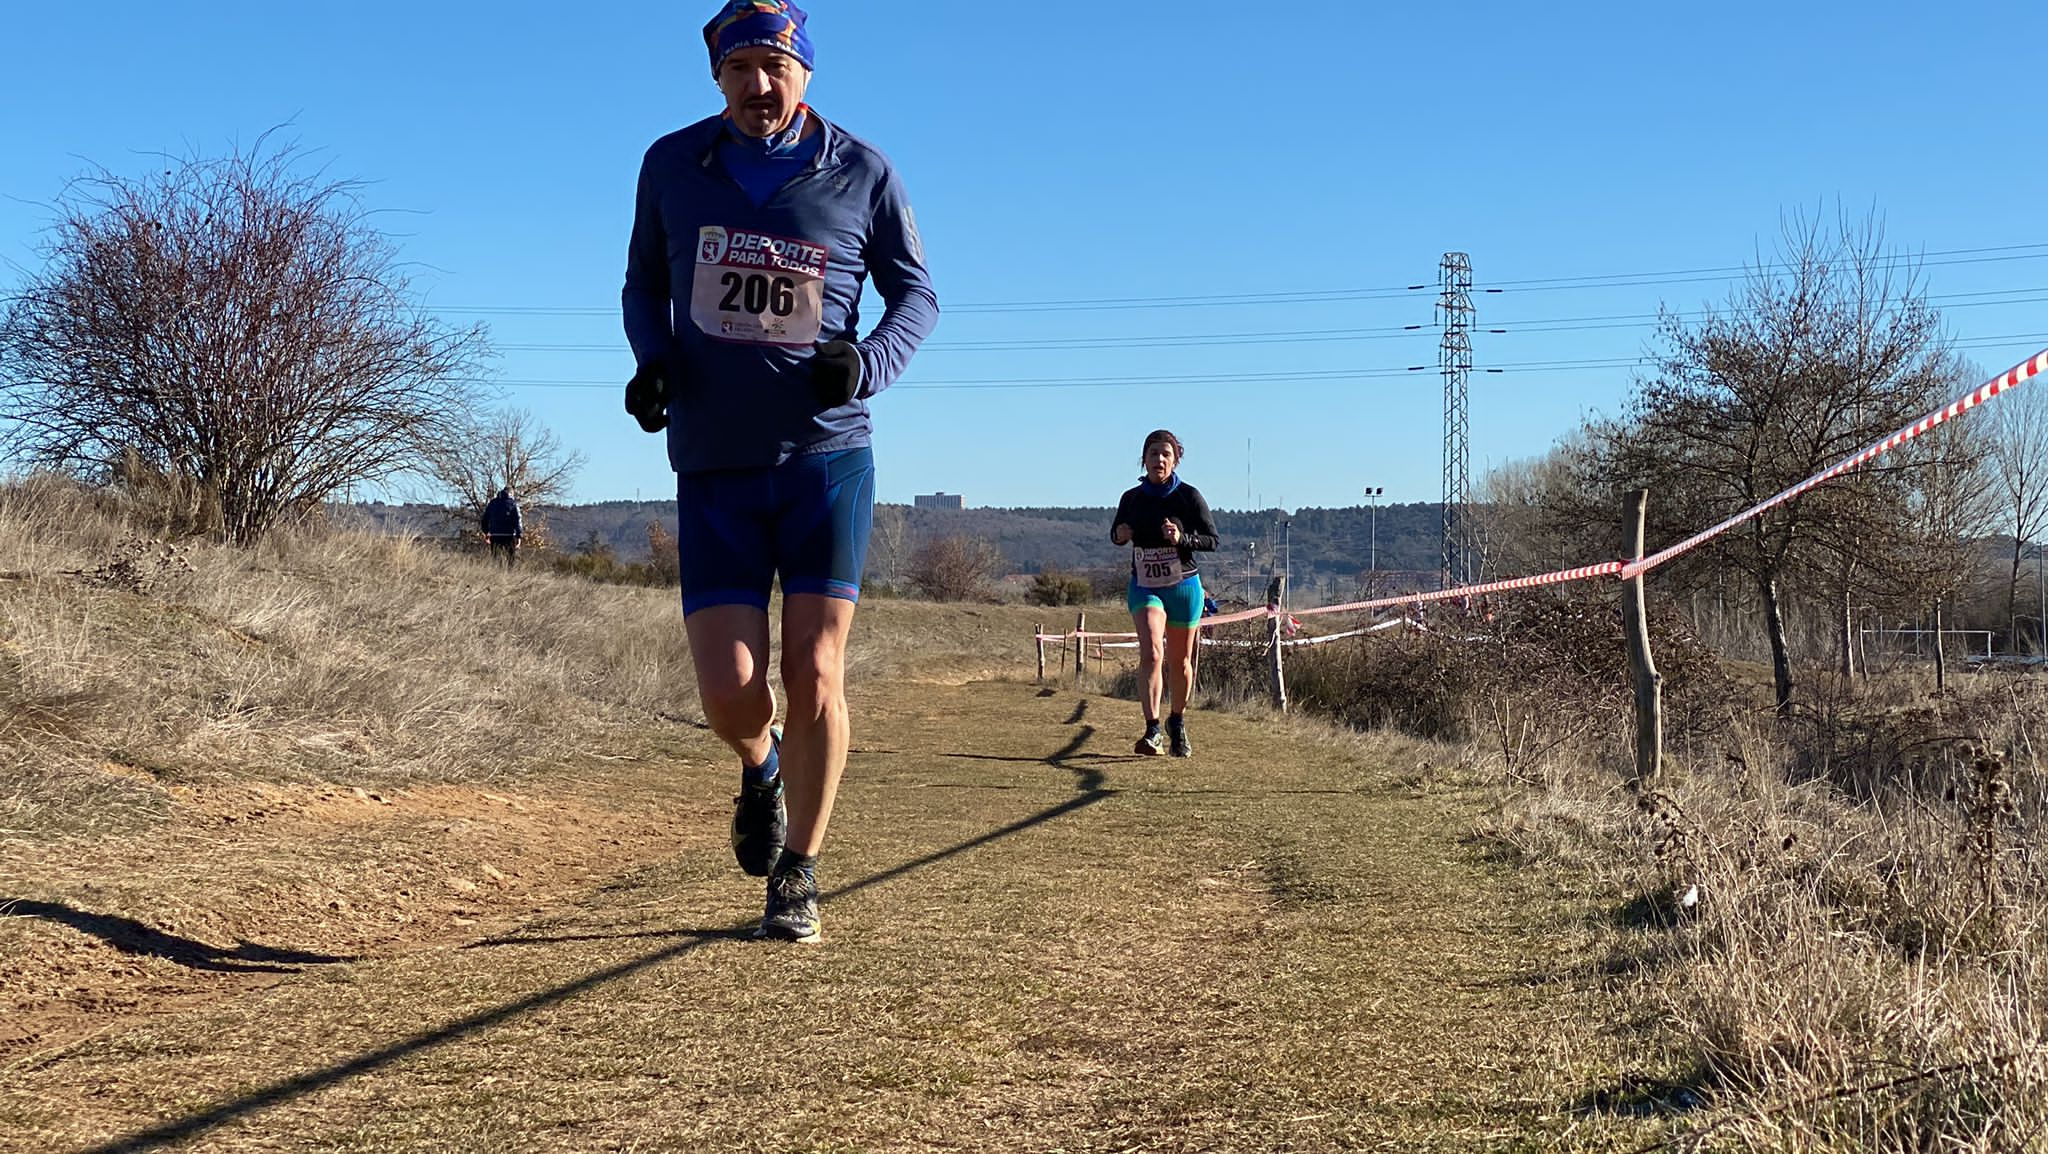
[346, 844]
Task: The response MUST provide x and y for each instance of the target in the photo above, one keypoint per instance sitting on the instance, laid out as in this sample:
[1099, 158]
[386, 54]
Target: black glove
[647, 398]
[836, 371]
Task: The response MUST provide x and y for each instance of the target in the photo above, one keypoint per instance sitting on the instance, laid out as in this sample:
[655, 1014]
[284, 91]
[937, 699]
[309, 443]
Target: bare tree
[1539, 513]
[887, 541]
[1951, 505]
[662, 558]
[2019, 466]
[234, 322]
[955, 568]
[1815, 356]
[505, 448]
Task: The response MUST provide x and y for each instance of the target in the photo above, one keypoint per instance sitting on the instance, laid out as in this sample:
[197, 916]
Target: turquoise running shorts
[1182, 602]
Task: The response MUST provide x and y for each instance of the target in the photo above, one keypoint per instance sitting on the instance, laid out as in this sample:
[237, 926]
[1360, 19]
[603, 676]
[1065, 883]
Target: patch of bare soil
[247, 883]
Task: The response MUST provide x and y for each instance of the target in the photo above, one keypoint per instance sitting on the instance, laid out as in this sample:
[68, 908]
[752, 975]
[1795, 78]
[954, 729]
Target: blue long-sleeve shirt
[732, 297]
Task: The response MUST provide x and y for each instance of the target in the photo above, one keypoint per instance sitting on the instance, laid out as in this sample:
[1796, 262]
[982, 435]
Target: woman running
[1166, 522]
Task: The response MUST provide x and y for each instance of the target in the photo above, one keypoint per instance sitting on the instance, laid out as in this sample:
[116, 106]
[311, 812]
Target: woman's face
[1159, 461]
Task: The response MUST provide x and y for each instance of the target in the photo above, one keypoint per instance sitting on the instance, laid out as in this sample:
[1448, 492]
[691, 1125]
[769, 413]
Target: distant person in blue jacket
[753, 232]
[502, 525]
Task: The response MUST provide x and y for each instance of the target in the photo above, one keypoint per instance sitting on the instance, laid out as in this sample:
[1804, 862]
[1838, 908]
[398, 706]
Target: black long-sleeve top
[1146, 511]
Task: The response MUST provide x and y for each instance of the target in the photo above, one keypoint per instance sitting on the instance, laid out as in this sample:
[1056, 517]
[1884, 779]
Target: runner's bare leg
[1150, 623]
[817, 731]
[729, 647]
[1180, 666]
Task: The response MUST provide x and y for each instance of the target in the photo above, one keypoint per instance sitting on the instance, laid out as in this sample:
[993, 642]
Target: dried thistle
[1990, 802]
[137, 564]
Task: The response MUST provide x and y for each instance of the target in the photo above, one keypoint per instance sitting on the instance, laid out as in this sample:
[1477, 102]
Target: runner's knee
[740, 706]
[813, 675]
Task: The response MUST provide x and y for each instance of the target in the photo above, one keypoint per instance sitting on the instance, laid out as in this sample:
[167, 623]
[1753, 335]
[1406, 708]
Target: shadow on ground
[133, 937]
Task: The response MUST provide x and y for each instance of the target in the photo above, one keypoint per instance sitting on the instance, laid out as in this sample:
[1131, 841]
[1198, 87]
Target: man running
[752, 234]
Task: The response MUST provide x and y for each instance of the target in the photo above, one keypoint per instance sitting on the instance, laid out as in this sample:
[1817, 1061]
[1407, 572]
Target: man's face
[762, 87]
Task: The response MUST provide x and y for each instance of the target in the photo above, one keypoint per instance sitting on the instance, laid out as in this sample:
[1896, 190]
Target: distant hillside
[1321, 541]
[1326, 544]
[619, 525]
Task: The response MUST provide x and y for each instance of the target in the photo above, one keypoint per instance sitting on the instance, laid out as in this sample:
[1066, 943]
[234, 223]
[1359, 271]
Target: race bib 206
[758, 289]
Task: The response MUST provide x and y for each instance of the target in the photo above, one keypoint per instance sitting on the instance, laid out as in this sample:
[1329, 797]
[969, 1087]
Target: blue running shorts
[805, 520]
[1182, 602]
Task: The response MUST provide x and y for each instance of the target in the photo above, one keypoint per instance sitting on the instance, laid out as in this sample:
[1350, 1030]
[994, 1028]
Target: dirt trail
[1034, 941]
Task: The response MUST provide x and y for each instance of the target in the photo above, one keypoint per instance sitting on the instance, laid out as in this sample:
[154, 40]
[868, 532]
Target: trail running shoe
[1177, 736]
[1153, 744]
[759, 822]
[792, 911]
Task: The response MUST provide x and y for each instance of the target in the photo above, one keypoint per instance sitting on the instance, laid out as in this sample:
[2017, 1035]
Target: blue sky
[1126, 153]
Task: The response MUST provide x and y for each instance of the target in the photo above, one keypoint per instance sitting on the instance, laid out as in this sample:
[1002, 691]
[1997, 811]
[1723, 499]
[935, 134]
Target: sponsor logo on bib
[711, 244]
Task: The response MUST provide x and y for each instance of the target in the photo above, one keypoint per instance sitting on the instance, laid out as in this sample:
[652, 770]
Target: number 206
[757, 294]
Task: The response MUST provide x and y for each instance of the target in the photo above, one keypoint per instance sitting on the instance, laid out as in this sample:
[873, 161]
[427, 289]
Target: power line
[1076, 344]
[1299, 376]
[1307, 296]
[1322, 336]
[1306, 376]
[2034, 251]
[1731, 272]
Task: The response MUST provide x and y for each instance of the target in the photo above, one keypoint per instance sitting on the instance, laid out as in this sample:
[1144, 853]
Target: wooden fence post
[1037, 642]
[1276, 596]
[1642, 667]
[1940, 654]
[1080, 643]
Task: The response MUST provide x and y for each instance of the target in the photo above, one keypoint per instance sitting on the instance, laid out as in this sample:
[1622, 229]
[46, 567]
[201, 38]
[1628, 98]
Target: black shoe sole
[766, 864]
[779, 934]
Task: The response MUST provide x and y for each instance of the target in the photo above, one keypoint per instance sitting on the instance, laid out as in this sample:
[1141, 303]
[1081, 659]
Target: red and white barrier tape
[2010, 379]
[1604, 569]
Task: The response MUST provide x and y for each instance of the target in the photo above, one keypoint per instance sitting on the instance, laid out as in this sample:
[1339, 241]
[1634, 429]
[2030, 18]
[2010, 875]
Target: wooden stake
[1642, 667]
[1276, 673]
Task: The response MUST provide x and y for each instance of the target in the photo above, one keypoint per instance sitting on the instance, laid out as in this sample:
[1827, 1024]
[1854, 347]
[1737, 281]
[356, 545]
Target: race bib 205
[1159, 568]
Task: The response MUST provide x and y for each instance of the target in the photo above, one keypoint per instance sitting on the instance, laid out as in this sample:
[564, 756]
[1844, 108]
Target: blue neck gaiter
[1172, 483]
[781, 144]
[762, 165]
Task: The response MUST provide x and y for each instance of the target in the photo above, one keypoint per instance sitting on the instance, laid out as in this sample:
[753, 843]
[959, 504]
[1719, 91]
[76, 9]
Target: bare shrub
[662, 557]
[955, 567]
[1055, 587]
[1528, 677]
[234, 323]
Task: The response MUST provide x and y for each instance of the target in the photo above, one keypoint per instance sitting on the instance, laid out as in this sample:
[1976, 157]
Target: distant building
[940, 500]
